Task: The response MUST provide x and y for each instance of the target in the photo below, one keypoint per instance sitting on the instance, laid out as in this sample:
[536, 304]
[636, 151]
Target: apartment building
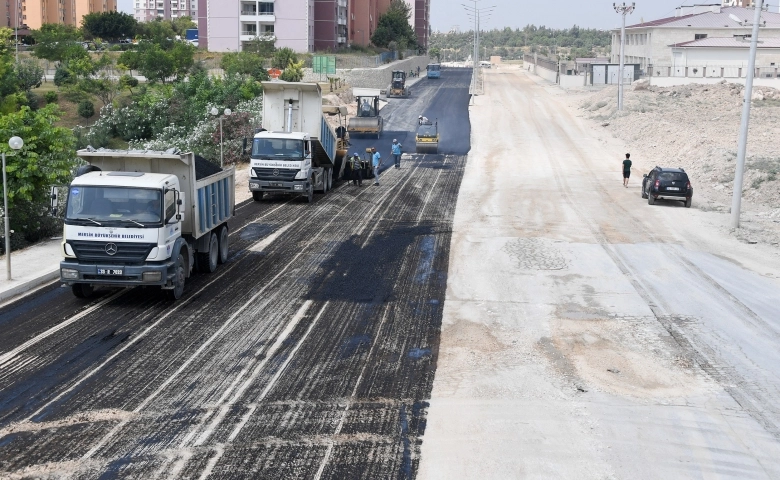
[147, 10]
[302, 25]
[738, 3]
[34, 13]
[229, 25]
[363, 19]
[330, 24]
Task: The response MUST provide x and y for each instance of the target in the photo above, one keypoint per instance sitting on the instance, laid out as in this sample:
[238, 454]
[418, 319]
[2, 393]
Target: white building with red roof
[674, 43]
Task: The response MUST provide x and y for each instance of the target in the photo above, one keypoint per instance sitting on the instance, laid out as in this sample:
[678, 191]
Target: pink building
[147, 10]
[228, 25]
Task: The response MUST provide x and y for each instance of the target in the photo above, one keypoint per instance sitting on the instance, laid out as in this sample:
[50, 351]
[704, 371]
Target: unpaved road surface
[586, 334]
[310, 354]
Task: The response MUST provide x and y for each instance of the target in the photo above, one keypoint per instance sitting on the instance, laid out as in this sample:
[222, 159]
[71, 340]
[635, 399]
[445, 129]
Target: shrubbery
[50, 97]
[86, 109]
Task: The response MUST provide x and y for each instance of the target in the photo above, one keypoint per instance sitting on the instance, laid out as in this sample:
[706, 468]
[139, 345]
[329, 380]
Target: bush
[63, 76]
[31, 100]
[31, 222]
[86, 109]
[50, 97]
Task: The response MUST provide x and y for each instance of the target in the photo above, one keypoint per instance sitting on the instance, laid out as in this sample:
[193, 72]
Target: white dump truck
[297, 154]
[144, 218]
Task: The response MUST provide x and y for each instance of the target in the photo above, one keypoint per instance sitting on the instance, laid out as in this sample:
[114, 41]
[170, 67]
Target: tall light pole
[736, 200]
[15, 143]
[17, 33]
[623, 10]
[215, 112]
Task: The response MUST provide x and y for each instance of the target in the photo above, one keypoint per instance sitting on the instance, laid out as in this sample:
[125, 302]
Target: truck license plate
[110, 271]
[276, 184]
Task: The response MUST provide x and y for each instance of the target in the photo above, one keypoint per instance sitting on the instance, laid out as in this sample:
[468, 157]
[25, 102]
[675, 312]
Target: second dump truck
[144, 218]
[299, 153]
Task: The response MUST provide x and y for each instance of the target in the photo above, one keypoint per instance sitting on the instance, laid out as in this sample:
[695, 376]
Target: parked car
[670, 183]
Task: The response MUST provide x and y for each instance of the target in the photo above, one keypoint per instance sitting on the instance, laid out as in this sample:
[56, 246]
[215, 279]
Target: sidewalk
[30, 268]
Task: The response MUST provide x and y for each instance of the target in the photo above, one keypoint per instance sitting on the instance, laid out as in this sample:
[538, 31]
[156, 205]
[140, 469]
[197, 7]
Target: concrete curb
[25, 287]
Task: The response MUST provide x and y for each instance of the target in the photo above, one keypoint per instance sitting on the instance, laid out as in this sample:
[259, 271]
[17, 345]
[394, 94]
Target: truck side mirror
[53, 202]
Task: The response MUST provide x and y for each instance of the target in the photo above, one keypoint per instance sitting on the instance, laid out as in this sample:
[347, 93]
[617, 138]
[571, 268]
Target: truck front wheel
[82, 290]
[257, 196]
[207, 261]
[178, 280]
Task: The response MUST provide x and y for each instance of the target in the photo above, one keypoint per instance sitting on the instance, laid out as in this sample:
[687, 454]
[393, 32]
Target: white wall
[674, 81]
[549, 75]
[572, 81]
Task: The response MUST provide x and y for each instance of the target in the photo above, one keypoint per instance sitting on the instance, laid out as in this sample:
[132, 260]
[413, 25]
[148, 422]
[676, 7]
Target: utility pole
[623, 10]
[736, 200]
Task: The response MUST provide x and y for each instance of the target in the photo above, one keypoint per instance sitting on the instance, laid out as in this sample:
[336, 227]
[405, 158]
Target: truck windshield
[277, 148]
[138, 207]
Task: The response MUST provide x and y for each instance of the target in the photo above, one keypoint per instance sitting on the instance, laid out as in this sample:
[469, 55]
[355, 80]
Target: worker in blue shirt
[376, 162]
[396, 149]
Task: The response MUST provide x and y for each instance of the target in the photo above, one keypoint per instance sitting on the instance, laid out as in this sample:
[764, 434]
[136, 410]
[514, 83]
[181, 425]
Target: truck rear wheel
[224, 241]
[257, 196]
[82, 290]
[207, 261]
[178, 280]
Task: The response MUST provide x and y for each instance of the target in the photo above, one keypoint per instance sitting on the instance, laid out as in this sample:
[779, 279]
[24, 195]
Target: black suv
[667, 183]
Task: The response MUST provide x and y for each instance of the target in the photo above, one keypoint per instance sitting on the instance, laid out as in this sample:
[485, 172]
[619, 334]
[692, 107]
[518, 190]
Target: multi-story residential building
[146, 10]
[228, 25]
[34, 13]
[738, 3]
[330, 24]
[303, 25]
[363, 18]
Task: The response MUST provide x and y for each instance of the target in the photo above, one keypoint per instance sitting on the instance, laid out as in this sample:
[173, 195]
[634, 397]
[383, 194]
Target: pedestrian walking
[626, 169]
[418, 70]
[396, 150]
[376, 162]
[357, 170]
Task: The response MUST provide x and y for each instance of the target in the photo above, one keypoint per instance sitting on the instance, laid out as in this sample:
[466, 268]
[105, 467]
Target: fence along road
[312, 354]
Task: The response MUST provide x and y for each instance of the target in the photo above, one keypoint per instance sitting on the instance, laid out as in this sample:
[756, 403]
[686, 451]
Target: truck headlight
[151, 276]
[69, 274]
[69, 250]
[153, 254]
[298, 187]
[301, 175]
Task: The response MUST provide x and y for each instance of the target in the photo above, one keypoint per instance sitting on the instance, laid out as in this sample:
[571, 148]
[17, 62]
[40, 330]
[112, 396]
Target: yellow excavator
[398, 88]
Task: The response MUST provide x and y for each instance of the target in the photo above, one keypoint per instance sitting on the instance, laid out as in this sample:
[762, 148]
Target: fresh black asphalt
[310, 354]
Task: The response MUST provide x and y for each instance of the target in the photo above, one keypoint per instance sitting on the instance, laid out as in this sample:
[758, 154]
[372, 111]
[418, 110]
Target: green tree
[260, 46]
[46, 157]
[111, 26]
[129, 82]
[155, 64]
[58, 43]
[182, 24]
[244, 63]
[28, 74]
[283, 57]
[8, 84]
[394, 26]
[86, 109]
[159, 32]
[435, 52]
[293, 72]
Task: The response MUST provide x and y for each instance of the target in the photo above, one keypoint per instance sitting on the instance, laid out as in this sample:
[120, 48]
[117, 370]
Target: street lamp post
[17, 33]
[623, 10]
[215, 112]
[15, 143]
[736, 200]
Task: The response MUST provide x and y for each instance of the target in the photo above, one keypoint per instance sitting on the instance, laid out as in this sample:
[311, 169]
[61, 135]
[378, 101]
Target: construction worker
[357, 170]
[396, 151]
[376, 162]
[423, 120]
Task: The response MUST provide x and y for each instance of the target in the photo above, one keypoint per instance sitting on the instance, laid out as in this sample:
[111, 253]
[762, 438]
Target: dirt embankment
[696, 127]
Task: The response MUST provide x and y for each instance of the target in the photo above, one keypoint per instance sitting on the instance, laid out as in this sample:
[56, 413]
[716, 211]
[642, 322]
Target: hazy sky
[556, 14]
